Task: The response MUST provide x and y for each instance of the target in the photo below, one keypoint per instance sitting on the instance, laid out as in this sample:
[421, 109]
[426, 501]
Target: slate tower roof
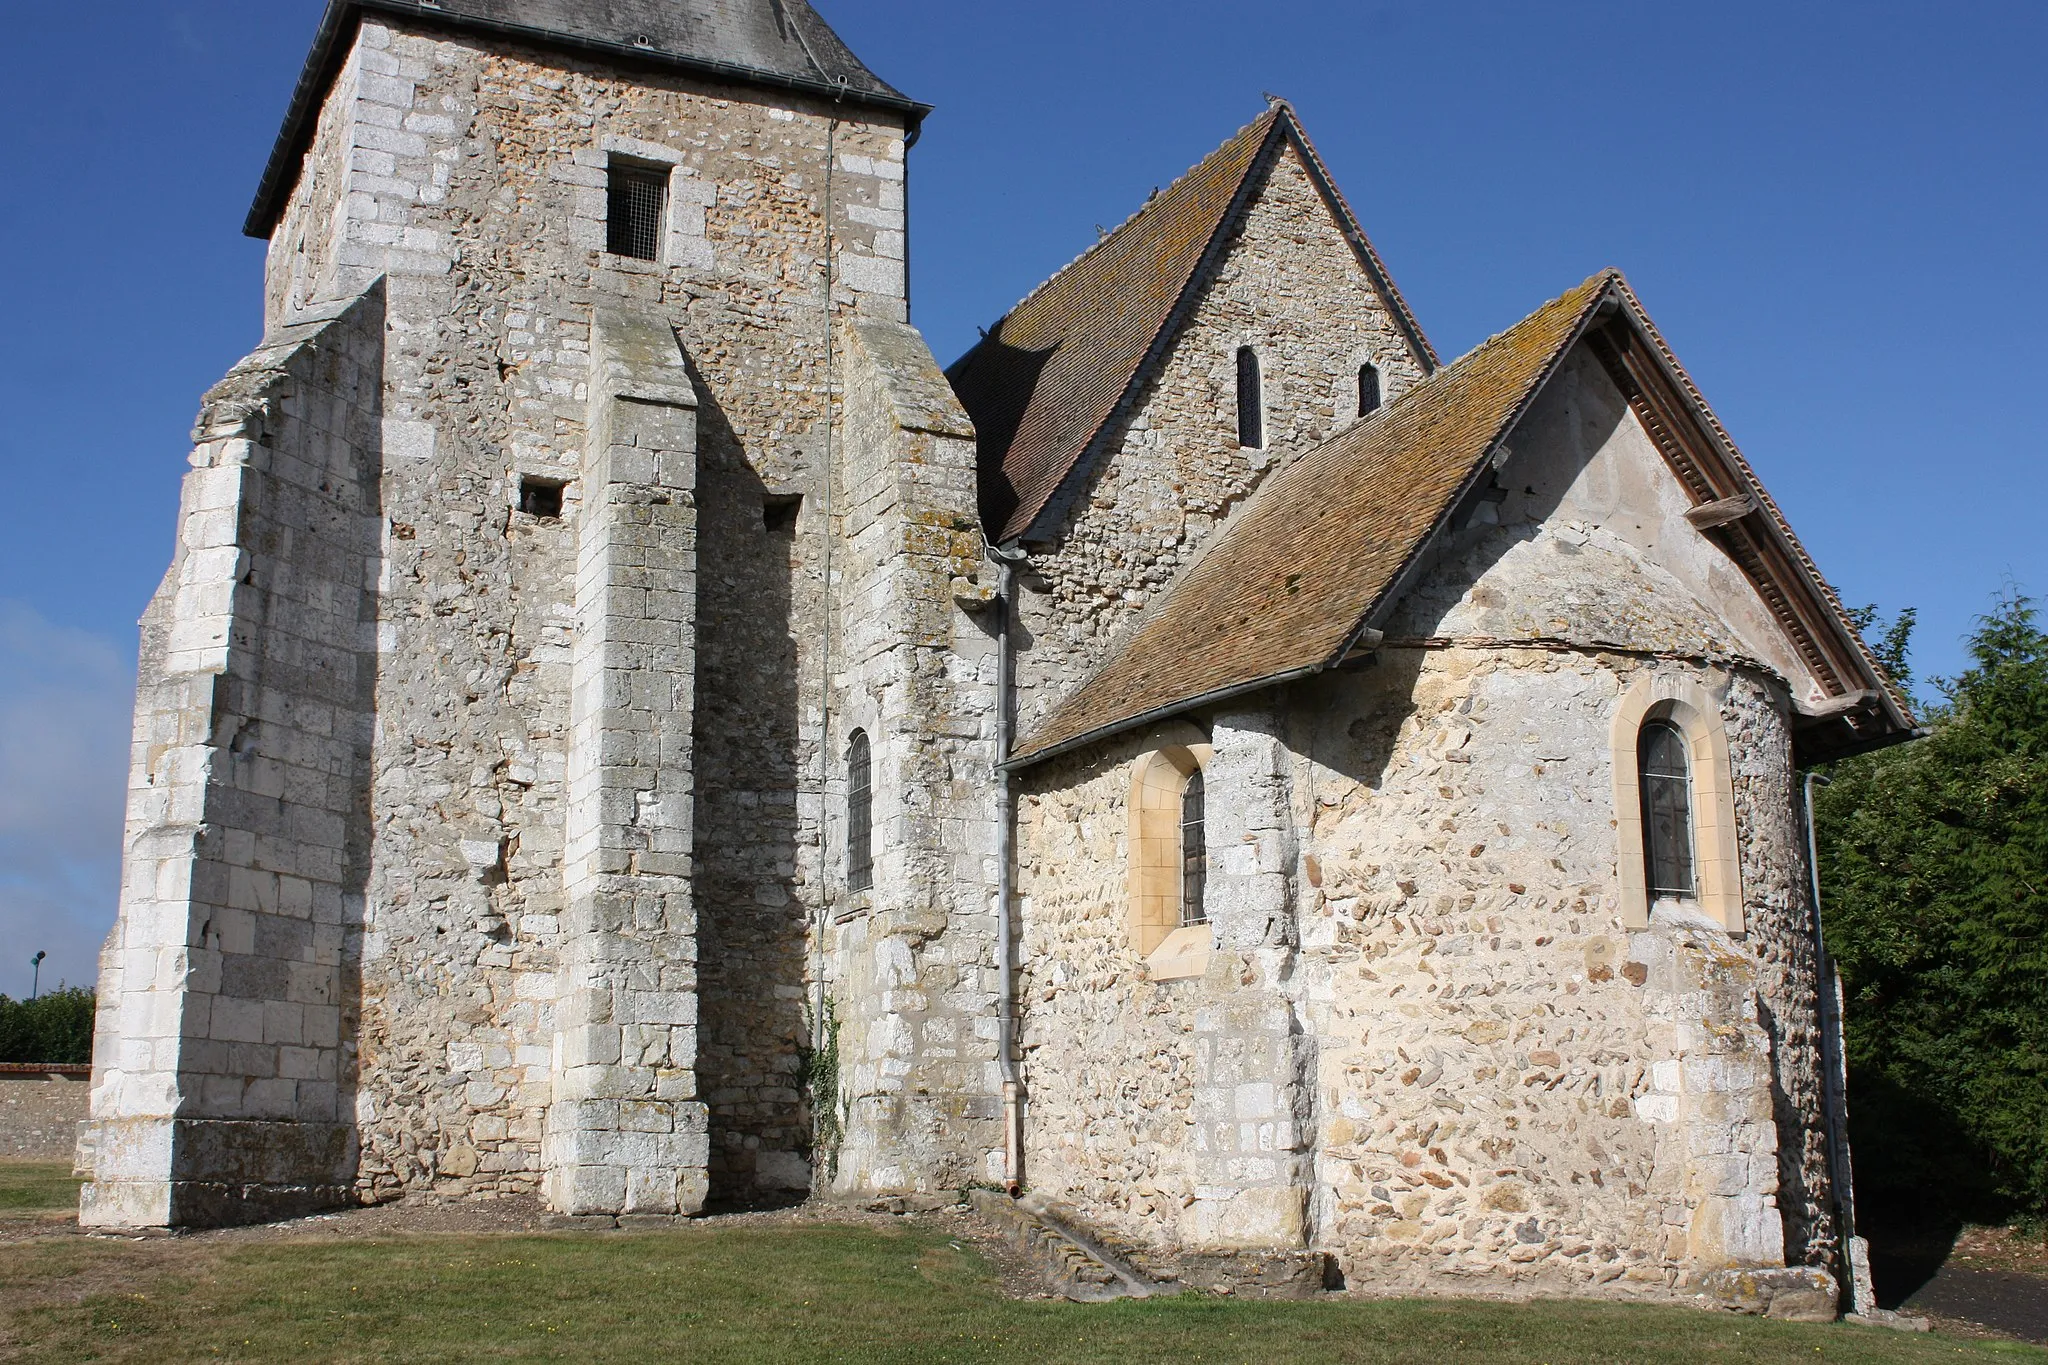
[778, 44]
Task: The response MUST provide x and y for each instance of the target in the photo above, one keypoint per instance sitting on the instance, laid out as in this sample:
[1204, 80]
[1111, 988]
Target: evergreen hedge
[51, 1030]
[1934, 892]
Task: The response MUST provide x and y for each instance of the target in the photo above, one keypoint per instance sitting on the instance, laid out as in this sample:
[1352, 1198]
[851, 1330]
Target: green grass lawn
[35, 1188]
[774, 1292]
[782, 1293]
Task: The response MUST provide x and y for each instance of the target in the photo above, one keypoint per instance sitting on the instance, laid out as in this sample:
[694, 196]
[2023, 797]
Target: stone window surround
[1168, 754]
[689, 198]
[843, 903]
[1717, 867]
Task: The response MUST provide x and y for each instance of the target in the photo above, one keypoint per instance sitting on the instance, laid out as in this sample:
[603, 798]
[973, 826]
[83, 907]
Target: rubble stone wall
[1292, 287]
[474, 181]
[1506, 1088]
[39, 1117]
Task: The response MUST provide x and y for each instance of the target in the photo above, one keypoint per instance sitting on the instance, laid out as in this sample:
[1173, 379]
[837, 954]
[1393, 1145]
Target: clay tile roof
[1292, 578]
[776, 43]
[1046, 380]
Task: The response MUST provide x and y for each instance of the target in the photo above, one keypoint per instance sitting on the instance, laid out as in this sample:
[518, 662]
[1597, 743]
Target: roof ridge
[1106, 238]
[1355, 232]
[1363, 570]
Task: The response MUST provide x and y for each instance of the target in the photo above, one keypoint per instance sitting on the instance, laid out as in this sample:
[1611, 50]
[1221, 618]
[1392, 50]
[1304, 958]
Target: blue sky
[1835, 211]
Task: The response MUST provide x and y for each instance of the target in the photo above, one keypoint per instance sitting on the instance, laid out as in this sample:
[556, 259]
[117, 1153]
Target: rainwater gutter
[1007, 561]
[1834, 1102]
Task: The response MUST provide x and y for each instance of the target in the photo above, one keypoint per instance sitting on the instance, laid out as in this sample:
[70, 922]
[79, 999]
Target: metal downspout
[1006, 837]
[1833, 1061]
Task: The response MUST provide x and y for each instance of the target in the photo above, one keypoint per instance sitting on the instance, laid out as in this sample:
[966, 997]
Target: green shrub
[1934, 868]
[53, 1029]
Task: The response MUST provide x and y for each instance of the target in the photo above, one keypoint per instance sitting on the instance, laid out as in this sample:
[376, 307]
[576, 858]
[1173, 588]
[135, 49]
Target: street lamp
[36, 981]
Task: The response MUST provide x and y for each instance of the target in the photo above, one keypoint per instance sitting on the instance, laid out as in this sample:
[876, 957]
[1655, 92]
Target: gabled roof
[776, 43]
[1046, 381]
[1296, 581]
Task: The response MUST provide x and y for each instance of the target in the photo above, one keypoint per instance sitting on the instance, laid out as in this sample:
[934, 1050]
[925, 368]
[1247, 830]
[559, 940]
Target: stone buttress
[221, 1063]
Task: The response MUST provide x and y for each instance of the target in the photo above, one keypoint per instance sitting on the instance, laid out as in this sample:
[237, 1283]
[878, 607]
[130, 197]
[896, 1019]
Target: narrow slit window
[541, 498]
[1251, 401]
[1369, 399]
[638, 205]
[1667, 812]
[1194, 852]
[860, 810]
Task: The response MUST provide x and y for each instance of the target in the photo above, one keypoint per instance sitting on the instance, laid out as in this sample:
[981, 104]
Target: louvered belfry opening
[638, 207]
[1667, 812]
[1194, 852]
[860, 841]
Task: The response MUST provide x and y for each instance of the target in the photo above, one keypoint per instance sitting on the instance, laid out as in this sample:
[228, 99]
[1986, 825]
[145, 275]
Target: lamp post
[36, 981]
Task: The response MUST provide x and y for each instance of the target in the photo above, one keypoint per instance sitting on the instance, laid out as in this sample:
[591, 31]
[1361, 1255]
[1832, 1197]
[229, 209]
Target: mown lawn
[779, 1294]
[768, 1292]
[35, 1188]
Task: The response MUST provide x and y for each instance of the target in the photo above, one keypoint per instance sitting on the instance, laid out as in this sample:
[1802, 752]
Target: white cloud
[66, 697]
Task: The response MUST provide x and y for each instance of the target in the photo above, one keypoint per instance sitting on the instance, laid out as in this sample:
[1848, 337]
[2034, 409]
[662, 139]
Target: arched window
[1368, 389]
[1251, 401]
[1667, 812]
[860, 840]
[1169, 861]
[1194, 853]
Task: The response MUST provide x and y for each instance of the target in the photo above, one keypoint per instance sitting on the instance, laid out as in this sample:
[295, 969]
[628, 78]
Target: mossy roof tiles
[1046, 380]
[1291, 579]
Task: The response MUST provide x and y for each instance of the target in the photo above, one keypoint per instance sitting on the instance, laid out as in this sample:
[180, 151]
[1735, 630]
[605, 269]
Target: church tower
[567, 720]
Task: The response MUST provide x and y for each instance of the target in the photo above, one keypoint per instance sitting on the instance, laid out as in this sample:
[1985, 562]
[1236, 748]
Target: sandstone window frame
[1717, 869]
[1168, 756]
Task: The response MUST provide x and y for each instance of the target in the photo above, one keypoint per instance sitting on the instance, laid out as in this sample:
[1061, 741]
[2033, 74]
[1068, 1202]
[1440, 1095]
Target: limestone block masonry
[483, 850]
[222, 1084]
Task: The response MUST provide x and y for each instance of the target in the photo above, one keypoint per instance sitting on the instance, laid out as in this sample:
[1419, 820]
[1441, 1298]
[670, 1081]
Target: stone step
[1075, 1264]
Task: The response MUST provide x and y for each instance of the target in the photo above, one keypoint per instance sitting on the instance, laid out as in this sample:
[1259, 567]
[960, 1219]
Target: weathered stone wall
[1109, 1054]
[222, 1063]
[39, 1116]
[912, 961]
[1292, 287]
[1505, 1087]
[1423, 984]
[473, 182]
[1511, 1089]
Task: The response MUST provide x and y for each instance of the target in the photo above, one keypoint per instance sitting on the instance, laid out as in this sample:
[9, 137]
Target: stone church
[622, 725]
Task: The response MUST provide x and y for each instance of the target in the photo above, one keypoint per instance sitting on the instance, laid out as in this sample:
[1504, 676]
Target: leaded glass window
[1194, 852]
[1368, 390]
[1667, 812]
[860, 840]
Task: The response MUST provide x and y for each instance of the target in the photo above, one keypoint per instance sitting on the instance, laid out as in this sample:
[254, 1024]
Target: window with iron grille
[1368, 390]
[1667, 812]
[1251, 402]
[638, 208]
[1194, 852]
[860, 842]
